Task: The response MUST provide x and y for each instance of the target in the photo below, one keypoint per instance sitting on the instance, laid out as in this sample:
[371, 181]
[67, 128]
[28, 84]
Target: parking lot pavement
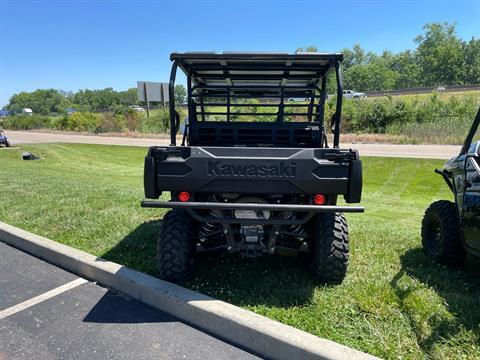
[48, 313]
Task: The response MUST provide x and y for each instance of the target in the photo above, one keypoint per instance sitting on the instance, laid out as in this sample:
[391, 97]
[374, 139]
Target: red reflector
[184, 196]
[319, 199]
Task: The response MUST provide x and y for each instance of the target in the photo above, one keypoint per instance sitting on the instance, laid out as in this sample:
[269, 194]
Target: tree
[128, 97]
[84, 99]
[471, 51]
[41, 101]
[97, 99]
[180, 94]
[106, 98]
[407, 69]
[358, 55]
[440, 56]
[47, 101]
[374, 75]
[311, 48]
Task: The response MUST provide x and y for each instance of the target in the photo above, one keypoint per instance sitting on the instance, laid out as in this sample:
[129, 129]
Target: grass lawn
[393, 303]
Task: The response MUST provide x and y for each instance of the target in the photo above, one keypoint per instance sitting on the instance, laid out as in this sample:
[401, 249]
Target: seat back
[255, 134]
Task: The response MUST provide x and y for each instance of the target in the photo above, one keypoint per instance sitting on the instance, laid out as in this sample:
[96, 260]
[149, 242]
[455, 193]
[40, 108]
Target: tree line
[50, 101]
[440, 58]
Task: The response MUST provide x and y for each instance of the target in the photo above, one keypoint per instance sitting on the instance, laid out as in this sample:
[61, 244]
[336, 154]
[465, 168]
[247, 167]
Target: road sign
[152, 91]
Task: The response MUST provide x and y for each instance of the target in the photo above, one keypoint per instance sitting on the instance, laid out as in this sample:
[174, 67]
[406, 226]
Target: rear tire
[176, 247]
[329, 254]
[440, 234]
[7, 144]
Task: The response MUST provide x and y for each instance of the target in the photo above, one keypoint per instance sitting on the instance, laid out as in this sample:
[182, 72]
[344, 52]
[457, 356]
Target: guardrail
[423, 90]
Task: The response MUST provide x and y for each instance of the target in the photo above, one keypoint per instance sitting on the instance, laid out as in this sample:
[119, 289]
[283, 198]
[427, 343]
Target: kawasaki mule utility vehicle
[450, 230]
[3, 139]
[254, 173]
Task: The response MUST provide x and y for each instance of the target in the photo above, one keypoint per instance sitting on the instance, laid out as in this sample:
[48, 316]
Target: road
[412, 151]
[49, 313]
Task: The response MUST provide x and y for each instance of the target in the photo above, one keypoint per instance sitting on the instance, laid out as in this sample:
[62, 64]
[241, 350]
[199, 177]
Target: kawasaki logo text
[282, 170]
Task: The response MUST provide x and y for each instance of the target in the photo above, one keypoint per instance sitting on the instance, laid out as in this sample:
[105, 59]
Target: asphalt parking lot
[49, 313]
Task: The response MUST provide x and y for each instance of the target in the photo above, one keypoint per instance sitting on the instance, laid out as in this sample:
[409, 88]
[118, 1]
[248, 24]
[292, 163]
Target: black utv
[451, 229]
[254, 173]
[3, 139]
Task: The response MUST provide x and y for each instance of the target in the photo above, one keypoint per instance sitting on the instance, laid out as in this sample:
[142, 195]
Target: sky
[82, 44]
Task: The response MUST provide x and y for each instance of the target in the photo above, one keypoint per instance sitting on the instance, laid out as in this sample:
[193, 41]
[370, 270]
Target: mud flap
[354, 193]
[150, 178]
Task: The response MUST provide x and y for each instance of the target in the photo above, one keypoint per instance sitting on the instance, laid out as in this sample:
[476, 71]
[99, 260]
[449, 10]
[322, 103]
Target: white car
[137, 108]
[350, 94]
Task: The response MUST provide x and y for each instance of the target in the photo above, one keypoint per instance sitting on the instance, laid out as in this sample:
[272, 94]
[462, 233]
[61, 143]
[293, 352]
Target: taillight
[184, 196]
[319, 199]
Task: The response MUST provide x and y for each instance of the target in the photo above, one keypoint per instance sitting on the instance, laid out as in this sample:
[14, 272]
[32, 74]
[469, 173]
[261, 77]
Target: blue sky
[81, 44]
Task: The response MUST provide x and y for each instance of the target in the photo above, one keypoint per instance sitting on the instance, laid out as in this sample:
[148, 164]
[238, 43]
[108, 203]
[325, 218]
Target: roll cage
[225, 85]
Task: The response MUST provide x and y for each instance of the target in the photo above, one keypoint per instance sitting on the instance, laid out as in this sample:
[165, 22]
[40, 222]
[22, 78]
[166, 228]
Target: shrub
[386, 114]
[27, 122]
[81, 121]
[158, 122]
[110, 122]
[132, 119]
[120, 120]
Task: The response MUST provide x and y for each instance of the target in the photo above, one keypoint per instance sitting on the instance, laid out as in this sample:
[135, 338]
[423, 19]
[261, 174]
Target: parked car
[137, 108]
[70, 111]
[299, 99]
[351, 94]
[3, 139]
[27, 111]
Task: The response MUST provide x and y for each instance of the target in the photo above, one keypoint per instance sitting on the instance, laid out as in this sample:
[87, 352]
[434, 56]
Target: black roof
[257, 68]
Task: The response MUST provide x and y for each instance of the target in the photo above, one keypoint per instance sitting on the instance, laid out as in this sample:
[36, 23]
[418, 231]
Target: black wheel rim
[436, 236]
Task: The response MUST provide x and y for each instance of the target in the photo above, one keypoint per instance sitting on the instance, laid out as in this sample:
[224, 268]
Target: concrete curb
[257, 333]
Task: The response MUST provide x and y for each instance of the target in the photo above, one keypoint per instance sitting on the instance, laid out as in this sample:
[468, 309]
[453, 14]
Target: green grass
[442, 94]
[393, 303]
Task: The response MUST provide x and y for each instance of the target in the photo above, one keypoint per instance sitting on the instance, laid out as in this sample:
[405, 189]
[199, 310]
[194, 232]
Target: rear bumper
[250, 206]
[307, 211]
